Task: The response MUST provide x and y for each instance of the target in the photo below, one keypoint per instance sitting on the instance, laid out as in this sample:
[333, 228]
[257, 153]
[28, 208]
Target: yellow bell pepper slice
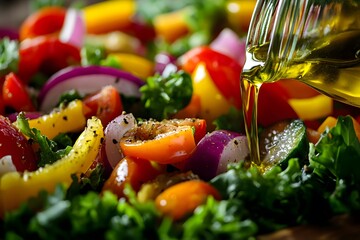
[312, 108]
[107, 16]
[137, 65]
[239, 13]
[16, 188]
[170, 26]
[212, 102]
[69, 119]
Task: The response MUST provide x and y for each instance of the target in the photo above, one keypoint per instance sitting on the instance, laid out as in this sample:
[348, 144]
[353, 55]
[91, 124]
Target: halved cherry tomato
[47, 20]
[131, 171]
[224, 71]
[181, 199]
[15, 94]
[45, 54]
[273, 104]
[15, 144]
[159, 142]
[105, 104]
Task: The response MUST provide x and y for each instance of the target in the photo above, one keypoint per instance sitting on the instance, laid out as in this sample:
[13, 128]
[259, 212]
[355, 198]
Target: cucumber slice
[283, 141]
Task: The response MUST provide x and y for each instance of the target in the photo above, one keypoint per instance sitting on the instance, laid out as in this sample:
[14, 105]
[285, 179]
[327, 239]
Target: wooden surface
[340, 228]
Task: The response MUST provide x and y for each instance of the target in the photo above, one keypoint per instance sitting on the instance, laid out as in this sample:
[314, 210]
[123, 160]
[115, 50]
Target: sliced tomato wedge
[131, 171]
[47, 20]
[273, 105]
[45, 54]
[15, 94]
[105, 104]
[160, 142]
[224, 71]
[15, 144]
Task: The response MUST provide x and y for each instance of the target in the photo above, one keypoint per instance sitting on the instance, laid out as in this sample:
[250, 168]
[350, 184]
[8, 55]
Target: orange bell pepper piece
[170, 147]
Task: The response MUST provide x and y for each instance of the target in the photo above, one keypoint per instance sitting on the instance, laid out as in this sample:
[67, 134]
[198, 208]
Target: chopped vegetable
[16, 188]
[49, 151]
[215, 152]
[281, 142]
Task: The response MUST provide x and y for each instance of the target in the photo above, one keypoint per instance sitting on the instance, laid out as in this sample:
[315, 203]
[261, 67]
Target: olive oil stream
[330, 64]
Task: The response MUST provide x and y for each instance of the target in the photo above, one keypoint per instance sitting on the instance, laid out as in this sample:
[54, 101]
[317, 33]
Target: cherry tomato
[224, 71]
[159, 142]
[15, 94]
[105, 104]
[273, 104]
[15, 144]
[47, 20]
[131, 171]
[181, 199]
[45, 54]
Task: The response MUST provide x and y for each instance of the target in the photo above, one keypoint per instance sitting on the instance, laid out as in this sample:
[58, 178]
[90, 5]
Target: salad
[123, 119]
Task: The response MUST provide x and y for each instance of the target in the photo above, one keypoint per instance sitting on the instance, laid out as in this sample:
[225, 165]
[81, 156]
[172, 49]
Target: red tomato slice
[105, 104]
[46, 54]
[15, 94]
[273, 104]
[224, 71]
[159, 142]
[15, 144]
[130, 171]
[48, 20]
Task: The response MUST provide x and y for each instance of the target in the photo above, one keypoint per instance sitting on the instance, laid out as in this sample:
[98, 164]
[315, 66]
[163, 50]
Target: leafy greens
[253, 203]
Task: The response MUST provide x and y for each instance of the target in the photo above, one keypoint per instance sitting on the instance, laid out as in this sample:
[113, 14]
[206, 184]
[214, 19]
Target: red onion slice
[228, 43]
[114, 131]
[216, 151]
[12, 34]
[87, 80]
[73, 30]
[30, 115]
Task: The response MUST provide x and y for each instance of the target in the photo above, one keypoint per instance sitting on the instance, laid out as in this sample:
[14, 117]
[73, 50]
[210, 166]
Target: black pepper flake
[236, 142]
[102, 140]
[65, 118]
[117, 80]
[53, 125]
[95, 134]
[126, 121]
[115, 141]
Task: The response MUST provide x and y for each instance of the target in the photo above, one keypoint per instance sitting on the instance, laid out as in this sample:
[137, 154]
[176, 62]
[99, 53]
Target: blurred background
[13, 12]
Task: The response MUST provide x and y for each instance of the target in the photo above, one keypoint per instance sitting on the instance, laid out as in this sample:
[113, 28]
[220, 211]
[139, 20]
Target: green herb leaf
[164, 96]
[9, 56]
[49, 150]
